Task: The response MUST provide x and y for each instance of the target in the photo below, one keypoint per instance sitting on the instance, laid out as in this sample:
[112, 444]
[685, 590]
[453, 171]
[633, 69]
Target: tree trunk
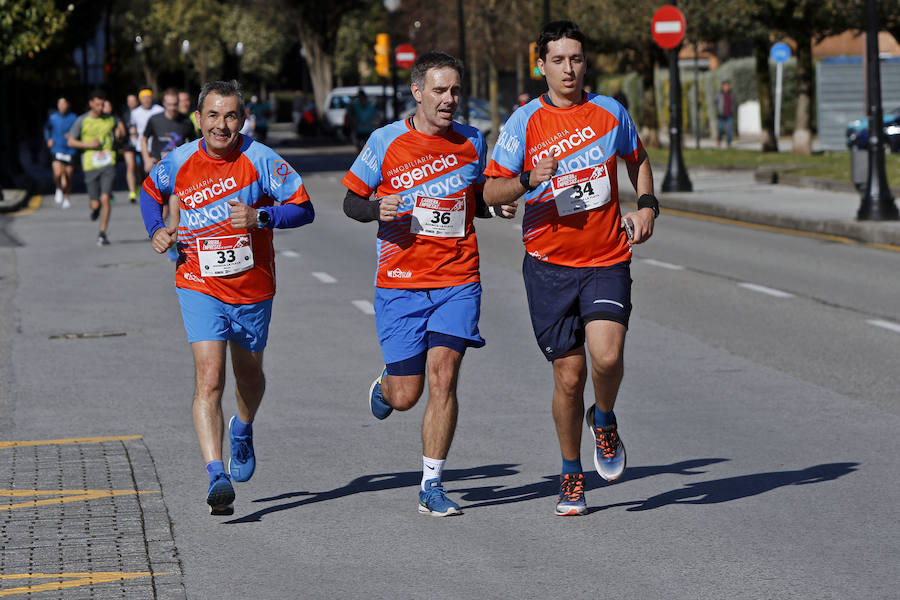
[764, 93]
[802, 132]
[320, 65]
[494, 98]
[648, 119]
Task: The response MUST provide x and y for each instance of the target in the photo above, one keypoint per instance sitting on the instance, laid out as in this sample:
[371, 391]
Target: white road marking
[662, 265]
[765, 290]
[884, 324]
[290, 253]
[324, 277]
[365, 306]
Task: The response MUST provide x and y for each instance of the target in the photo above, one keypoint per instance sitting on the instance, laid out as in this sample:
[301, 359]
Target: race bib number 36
[581, 190]
[439, 217]
[226, 255]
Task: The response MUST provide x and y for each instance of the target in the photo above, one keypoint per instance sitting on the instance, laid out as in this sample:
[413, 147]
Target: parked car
[479, 115]
[340, 98]
[858, 131]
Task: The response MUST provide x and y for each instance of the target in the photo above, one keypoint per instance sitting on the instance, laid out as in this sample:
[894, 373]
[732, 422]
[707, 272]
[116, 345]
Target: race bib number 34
[439, 217]
[226, 255]
[581, 190]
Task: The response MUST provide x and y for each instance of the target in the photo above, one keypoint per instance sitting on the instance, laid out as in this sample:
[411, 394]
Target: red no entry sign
[405, 56]
[667, 26]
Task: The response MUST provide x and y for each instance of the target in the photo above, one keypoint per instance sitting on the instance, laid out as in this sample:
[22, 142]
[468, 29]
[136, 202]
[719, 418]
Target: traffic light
[383, 54]
[532, 61]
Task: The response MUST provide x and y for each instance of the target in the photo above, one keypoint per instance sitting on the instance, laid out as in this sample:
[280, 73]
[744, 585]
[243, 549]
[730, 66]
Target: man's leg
[104, 211]
[58, 168]
[68, 171]
[209, 382]
[606, 343]
[130, 177]
[569, 378]
[250, 381]
[439, 423]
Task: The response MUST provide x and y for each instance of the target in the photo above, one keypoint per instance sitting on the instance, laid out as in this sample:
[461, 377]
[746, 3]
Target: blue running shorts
[209, 319]
[405, 320]
[562, 299]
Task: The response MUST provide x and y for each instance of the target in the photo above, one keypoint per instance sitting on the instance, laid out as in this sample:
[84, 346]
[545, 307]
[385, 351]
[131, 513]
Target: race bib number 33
[439, 217]
[226, 255]
[581, 190]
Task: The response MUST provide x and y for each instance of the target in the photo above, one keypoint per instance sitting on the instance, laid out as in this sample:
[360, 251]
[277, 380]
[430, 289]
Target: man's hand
[243, 216]
[507, 211]
[164, 238]
[643, 224]
[388, 207]
[50, 143]
[544, 170]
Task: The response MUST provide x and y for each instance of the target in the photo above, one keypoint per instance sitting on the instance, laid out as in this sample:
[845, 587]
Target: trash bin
[859, 166]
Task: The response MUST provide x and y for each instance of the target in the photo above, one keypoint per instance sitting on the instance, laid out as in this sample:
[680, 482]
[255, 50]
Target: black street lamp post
[876, 203]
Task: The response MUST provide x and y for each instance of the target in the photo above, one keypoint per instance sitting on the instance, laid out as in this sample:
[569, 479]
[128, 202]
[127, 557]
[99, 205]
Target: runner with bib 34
[560, 152]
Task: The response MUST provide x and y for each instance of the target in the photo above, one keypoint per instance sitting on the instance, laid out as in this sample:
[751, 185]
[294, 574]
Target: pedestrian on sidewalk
[425, 173]
[62, 155]
[94, 134]
[227, 187]
[560, 151]
[725, 111]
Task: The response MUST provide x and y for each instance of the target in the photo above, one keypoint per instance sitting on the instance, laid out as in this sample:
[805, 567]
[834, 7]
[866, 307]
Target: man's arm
[641, 177]
[504, 190]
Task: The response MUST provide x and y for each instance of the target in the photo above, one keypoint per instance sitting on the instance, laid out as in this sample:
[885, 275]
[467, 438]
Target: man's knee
[569, 377]
[404, 391]
[607, 363]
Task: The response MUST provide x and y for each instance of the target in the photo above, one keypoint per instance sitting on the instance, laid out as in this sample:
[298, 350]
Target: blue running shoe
[243, 461]
[433, 501]
[220, 495]
[379, 407]
[571, 495]
[609, 455]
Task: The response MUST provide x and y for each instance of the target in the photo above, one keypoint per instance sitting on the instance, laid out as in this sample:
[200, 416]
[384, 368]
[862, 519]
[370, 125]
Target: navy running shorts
[563, 299]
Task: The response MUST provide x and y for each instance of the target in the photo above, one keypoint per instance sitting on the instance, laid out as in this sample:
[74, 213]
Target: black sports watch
[649, 201]
[525, 180]
[263, 218]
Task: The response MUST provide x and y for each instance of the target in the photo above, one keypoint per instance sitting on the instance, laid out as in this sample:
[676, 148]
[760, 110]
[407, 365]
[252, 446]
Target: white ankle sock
[431, 469]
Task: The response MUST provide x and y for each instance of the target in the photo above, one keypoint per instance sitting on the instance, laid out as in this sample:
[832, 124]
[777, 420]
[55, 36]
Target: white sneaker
[58, 197]
[66, 203]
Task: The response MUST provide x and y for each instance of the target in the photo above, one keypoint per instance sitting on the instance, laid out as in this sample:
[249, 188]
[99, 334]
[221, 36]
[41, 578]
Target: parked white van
[340, 98]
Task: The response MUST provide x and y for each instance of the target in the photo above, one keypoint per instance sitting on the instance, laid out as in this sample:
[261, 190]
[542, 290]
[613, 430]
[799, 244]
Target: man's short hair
[225, 89]
[556, 30]
[170, 92]
[433, 60]
[97, 93]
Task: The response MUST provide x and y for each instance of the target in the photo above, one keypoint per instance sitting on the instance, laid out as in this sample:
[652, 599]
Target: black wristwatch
[263, 218]
[649, 201]
[525, 180]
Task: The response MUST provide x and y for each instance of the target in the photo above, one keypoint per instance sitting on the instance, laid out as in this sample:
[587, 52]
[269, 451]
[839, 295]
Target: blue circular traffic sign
[780, 52]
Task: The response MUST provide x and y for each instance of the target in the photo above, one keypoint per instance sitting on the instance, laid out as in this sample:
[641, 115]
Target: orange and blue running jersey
[431, 243]
[573, 219]
[253, 174]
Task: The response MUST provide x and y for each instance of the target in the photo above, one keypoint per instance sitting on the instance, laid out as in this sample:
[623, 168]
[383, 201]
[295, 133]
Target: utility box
[859, 167]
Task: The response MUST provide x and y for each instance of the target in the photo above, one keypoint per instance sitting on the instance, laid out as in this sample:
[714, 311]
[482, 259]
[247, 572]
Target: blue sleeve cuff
[286, 216]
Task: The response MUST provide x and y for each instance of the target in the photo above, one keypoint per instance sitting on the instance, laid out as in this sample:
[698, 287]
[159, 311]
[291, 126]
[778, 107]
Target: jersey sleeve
[281, 181]
[75, 129]
[364, 175]
[628, 144]
[481, 147]
[508, 157]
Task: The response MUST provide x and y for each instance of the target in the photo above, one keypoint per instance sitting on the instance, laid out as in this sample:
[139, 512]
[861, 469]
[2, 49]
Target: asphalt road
[759, 410]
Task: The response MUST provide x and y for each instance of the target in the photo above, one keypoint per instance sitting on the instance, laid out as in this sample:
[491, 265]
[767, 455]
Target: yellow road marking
[34, 203]
[812, 234]
[86, 440]
[73, 580]
[61, 496]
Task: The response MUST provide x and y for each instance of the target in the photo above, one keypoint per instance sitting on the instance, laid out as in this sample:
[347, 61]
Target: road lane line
[365, 306]
[324, 277]
[72, 580]
[661, 264]
[765, 290]
[290, 253]
[895, 327]
[85, 440]
[59, 496]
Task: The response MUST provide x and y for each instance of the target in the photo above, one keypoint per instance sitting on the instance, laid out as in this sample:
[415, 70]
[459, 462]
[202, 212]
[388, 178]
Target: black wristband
[649, 201]
[525, 180]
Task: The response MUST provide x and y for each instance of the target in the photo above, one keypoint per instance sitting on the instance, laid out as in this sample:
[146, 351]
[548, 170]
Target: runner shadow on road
[373, 483]
[728, 489]
[549, 485]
